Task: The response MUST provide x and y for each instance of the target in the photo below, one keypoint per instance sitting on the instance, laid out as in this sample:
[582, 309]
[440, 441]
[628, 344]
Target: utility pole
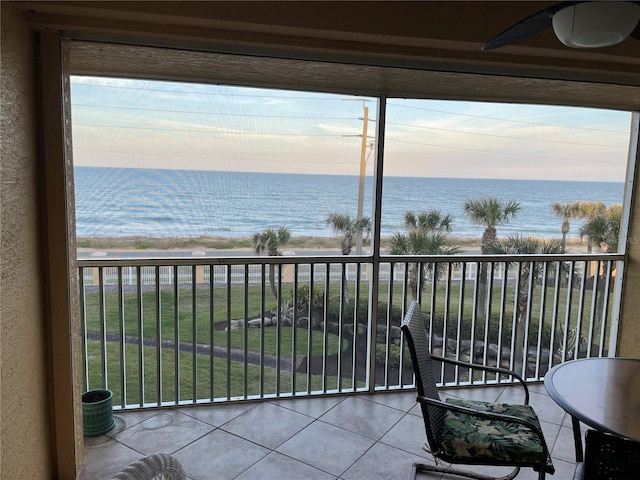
[363, 164]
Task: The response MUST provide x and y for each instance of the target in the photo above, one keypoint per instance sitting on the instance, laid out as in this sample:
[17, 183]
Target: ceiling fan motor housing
[595, 24]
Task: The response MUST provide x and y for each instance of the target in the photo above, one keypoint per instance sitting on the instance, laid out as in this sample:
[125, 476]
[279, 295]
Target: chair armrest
[489, 415]
[486, 368]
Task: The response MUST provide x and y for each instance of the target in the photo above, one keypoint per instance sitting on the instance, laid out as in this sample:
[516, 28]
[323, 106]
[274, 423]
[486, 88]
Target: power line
[505, 119]
[158, 110]
[493, 152]
[460, 132]
[504, 136]
[187, 92]
[207, 131]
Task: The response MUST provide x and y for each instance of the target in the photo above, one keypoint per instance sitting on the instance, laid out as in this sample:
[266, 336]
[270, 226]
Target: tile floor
[367, 437]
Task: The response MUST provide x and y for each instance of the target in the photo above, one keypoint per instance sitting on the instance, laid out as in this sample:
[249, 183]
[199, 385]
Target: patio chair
[608, 457]
[472, 432]
[156, 466]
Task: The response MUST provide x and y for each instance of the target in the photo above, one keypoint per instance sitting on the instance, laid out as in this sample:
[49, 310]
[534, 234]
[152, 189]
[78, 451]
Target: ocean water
[112, 202]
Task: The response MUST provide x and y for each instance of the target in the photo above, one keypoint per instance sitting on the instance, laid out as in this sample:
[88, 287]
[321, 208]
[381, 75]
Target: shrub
[394, 355]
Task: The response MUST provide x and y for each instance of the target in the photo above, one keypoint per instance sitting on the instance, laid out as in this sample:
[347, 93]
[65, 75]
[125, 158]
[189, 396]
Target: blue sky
[150, 124]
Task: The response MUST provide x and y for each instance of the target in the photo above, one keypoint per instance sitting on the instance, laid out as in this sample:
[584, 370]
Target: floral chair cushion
[478, 439]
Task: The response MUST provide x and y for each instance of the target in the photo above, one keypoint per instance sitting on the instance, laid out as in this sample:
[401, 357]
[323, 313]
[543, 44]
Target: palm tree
[529, 273]
[349, 228]
[431, 221]
[425, 235]
[269, 242]
[589, 210]
[603, 231]
[565, 211]
[489, 212]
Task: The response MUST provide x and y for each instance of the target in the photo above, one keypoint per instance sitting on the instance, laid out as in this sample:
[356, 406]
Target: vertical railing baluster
[476, 306]
[83, 327]
[387, 355]
[581, 303]
[503, 311]
[194, 334]
[212, 319]
[294, 330]
[140, 319]
[121, 338]
[529, 314]
[594, 306]
[605, 306]
[279, 333]
[356, 312]
[568, 309]
[158, 307]
[176, 333]
[445, 320]
[541, 323]
[310, 325]
[461, 304]
[245, 334]
[325, 335]
[559, 273]
[342, 304]
[514, 321]
[263, 276]
[102, 326]
[229, 283]
[487, 320]
[406, 293]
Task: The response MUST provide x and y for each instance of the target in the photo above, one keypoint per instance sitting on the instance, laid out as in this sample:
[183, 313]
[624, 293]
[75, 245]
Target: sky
[170, 125]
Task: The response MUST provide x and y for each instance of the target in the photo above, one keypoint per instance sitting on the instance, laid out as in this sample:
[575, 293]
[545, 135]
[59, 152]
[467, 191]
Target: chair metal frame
[434, 409]
[609, 457]
[153, 466]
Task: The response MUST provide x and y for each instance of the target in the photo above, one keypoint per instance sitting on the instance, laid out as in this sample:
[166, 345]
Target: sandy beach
[467, 244]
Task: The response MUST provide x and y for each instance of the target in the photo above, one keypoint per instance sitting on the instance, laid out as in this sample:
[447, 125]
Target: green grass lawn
[212, 379]
[175, 315]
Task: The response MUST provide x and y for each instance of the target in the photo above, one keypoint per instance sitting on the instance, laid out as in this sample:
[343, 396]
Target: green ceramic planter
[97, 412]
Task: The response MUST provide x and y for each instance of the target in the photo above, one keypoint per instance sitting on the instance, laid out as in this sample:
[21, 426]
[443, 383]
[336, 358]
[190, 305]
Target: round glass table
[603, 393]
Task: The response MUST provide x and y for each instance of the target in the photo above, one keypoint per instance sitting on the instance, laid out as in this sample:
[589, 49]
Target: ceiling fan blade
[636, 32]
[531, 25]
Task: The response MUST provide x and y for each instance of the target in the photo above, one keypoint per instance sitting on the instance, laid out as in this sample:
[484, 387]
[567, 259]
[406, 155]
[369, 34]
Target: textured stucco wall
[24, 410]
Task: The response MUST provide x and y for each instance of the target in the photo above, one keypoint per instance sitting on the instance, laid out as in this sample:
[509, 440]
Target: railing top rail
[335, 259]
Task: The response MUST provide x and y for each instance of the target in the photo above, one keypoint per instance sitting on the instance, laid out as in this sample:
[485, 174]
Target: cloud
[172, 125]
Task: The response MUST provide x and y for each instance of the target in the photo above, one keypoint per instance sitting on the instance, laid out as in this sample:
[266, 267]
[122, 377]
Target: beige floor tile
[103, 460]
[403, 401]
[219, 455]
[218, 415]
[277, 466]
[382, 462]
[167, 431]
[268, 425]
[363, 417]
[313, 407]
[409, 435]
[356, 437]
[326, 447]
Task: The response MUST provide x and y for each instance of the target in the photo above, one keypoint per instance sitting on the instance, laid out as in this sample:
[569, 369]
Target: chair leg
[423, 467]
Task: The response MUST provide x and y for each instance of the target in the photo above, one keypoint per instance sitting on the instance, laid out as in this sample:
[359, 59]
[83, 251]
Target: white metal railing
[203, 272]
[188, 330]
